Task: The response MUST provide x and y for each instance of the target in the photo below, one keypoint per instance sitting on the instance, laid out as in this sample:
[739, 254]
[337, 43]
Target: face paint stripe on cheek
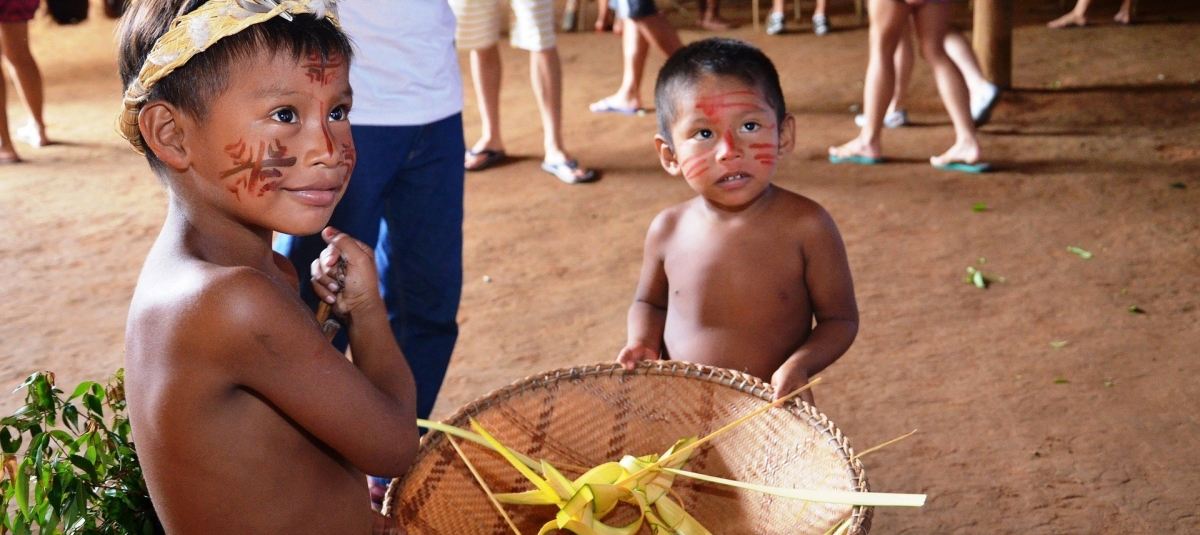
[762, 145]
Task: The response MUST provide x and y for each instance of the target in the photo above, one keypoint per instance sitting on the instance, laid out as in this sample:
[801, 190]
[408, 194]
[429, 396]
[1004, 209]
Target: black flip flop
[491, 157]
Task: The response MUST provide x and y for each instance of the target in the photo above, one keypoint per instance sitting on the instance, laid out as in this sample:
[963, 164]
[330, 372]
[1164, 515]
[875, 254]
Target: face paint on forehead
[319, 69]
[733, 99]
[262, 163]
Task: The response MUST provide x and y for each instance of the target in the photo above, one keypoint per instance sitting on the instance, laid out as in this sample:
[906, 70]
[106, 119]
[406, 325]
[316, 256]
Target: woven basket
[589, 415]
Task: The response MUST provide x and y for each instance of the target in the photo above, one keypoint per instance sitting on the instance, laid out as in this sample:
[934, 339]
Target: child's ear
[666, 155]
[787, 135]
[163, 133]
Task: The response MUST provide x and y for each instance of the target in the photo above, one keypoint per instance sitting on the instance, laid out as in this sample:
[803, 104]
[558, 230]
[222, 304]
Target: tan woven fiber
[588, 415]
[192, 34]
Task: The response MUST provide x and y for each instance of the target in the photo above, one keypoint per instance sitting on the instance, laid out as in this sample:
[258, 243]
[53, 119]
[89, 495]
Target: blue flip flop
[565, 171]
[865, 160]
[604, 105]
[490, 158]
[974, 168]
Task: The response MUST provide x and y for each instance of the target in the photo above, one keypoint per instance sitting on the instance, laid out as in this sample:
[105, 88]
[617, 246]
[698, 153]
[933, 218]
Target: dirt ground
[1098, 147]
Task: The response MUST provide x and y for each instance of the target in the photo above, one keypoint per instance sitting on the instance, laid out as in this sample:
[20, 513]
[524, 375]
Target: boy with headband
[246, 419]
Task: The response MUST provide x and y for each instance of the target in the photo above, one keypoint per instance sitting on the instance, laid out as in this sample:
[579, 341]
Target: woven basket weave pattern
[589, 415]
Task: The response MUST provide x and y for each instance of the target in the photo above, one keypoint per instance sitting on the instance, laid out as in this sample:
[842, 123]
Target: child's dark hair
[714, 57]
[193, 86]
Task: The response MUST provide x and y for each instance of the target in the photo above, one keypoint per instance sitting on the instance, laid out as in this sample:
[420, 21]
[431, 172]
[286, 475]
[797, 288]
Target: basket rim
[861, 516]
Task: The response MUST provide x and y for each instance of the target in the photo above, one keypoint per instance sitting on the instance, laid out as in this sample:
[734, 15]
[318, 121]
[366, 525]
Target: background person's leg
[8, 153]
[486, 73]
[889, 21]
[420, 257]
[14, 44]
[932, 21]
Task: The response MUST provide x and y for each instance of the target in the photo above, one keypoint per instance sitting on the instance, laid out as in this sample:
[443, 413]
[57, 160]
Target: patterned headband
[193, 33]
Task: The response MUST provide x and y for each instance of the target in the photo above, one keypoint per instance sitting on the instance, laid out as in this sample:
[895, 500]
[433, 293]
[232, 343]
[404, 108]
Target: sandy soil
[1096, 436]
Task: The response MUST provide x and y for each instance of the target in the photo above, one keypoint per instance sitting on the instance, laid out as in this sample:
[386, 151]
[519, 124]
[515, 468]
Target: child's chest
[756, 267]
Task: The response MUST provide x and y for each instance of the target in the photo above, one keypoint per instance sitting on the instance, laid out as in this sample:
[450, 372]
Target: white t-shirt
[405, 69]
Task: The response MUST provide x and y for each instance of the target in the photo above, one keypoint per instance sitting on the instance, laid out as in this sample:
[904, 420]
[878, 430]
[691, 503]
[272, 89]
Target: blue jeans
[406, 197]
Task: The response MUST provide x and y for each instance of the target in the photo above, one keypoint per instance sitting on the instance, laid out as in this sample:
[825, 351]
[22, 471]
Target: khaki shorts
[531, 24]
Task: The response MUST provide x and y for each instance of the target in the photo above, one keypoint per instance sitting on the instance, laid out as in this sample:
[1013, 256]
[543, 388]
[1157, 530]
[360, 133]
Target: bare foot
[618, 26]
[8, 156]
[31, 134]
[1069, 20]
[857, 149]
[1122, 17]
[716, 24]
[967, 153]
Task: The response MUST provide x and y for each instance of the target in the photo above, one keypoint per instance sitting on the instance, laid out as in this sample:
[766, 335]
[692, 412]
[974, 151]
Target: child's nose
[728, 146]
[324, 149]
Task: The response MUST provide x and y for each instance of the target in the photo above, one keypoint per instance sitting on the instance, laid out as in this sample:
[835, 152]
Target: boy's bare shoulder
[667, 221]
[213, 309]
[804, 213]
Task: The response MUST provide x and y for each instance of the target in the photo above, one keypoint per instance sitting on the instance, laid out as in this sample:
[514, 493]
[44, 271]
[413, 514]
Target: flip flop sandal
[491, 157]
[604, 105]
[985, 114]
[973, 168]
[565, 171]
[865, 160]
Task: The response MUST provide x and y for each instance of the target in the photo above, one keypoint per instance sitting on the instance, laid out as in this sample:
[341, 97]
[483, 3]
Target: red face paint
[710, 105]
[262, 164]
[321, 70]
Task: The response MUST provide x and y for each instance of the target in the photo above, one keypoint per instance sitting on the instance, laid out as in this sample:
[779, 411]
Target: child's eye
[704, 134]
[751, 126]
[339, 114]
[284, 115]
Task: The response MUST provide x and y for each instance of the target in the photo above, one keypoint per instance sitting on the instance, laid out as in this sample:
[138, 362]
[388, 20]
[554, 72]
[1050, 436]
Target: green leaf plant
[68, 470]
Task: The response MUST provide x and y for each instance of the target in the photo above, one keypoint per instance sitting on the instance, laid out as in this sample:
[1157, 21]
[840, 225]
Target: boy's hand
[634, 353]
[358, 286]
[788, 378]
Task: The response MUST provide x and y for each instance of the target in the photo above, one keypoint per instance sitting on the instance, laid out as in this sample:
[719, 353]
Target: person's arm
[648, 315]
[831, 291]
[362, 311]
[366, 412]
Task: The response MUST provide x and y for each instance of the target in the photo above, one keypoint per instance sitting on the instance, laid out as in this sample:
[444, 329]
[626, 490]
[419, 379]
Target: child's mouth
[733, 178]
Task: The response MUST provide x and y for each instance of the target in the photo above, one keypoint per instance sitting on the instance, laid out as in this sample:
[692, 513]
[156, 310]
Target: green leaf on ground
[1082, 254]
[1108, 384]
[1058, 345]
[980, 279]
[979, 207]
[1061, 381]
[1178, 185]
[1134, 309]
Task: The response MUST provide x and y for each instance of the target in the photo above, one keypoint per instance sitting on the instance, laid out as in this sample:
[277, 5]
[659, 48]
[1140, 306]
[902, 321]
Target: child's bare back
[737, 276]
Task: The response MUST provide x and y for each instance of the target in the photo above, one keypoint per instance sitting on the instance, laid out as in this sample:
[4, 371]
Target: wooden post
[993, 40]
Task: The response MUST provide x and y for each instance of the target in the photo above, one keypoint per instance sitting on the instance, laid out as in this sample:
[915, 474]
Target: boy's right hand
[634, 353]
[359, 286]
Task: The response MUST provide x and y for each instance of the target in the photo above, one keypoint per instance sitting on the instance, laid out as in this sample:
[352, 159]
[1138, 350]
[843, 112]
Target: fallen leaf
[979, 207]
[1134, 309]
[1058, 345]
[1179, 185]
[1082, 254]
[1108, 384]
[1061, 381]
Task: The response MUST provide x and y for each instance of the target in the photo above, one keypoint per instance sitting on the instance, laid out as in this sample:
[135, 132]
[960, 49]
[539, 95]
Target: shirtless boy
[736, 276]
[247, 420]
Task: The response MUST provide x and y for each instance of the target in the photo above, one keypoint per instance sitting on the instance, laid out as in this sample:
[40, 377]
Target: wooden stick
[330, 326]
